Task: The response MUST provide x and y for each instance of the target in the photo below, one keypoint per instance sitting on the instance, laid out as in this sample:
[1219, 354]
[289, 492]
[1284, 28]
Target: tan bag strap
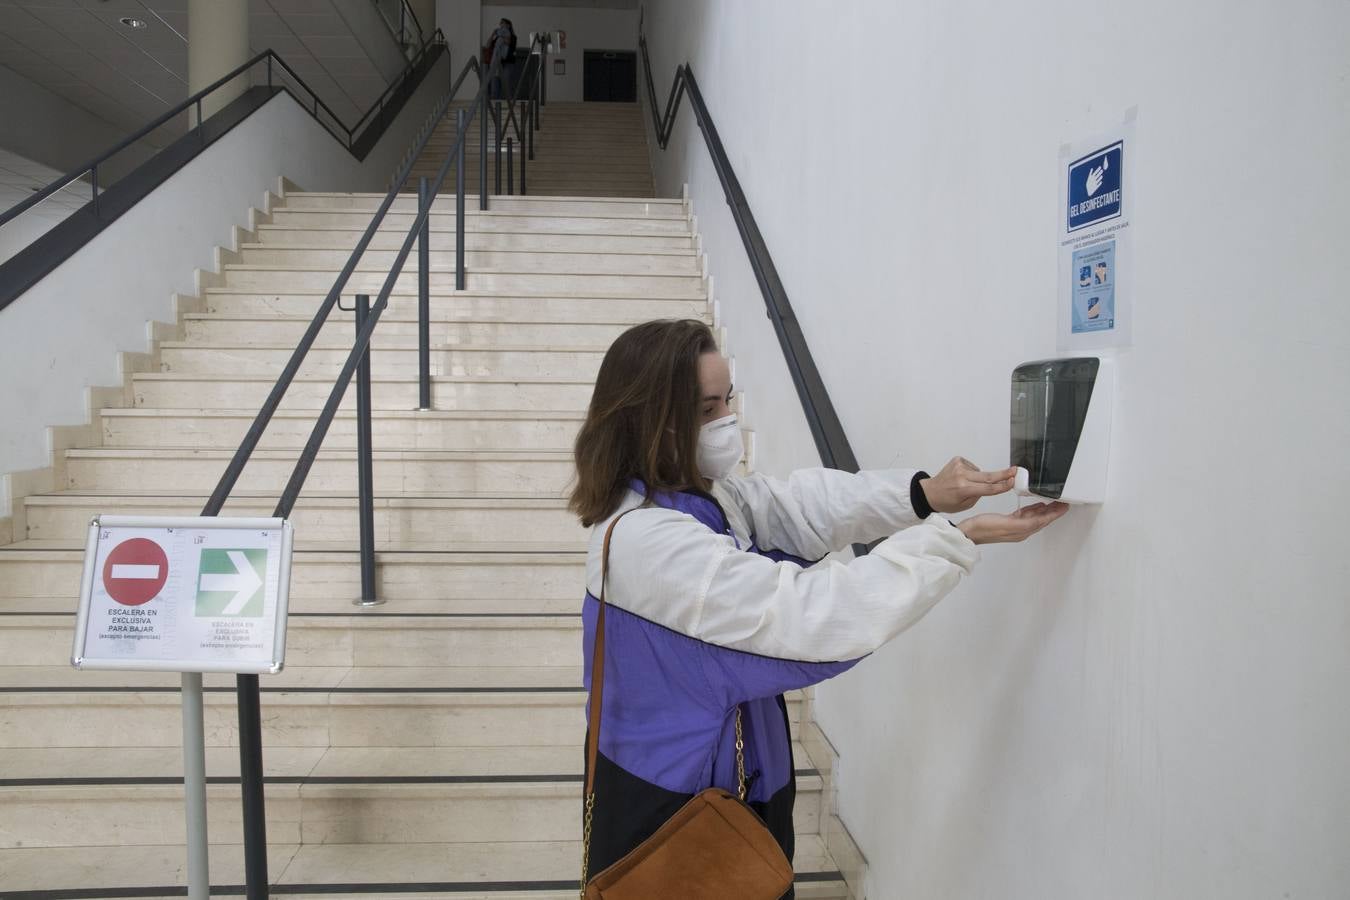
[598, 664]
[597, 697]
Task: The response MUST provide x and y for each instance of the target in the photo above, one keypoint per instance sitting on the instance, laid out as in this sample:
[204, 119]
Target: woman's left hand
[961, 484]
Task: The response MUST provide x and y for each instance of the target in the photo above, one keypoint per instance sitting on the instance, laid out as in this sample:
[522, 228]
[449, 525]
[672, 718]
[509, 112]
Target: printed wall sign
[1096, 240]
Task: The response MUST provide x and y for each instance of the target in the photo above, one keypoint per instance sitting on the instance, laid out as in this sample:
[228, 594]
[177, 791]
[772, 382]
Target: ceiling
[79, 50]
[20, 178]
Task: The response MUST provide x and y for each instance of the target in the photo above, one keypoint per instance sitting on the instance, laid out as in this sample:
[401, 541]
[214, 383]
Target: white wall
[63, 335]
[1150, 699]
[372, 32]
[460, 21]
[587, 29]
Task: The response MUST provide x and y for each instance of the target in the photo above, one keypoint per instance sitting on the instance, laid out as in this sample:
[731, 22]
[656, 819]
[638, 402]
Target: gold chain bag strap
[714, 847]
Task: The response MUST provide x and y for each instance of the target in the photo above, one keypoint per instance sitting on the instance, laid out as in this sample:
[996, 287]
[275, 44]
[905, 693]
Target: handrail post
[251, 786]
[93, 185]
[524, 155]
[459, 204]
[424, 201]
[497, 118]
[482, 154]
[529, 129]
[510, 168]
[365, 466]
[269, 71]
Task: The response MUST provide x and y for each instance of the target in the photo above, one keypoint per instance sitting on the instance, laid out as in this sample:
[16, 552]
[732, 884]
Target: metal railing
[278, 76]
[358, 361]
[403, 23]
[344, 133]
[516, 120]
[826, 429]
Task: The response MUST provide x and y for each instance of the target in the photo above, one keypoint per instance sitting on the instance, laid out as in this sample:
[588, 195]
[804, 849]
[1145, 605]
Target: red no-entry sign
[135, 571]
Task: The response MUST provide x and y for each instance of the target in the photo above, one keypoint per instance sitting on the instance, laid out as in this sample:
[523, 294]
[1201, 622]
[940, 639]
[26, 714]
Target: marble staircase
[429, 747]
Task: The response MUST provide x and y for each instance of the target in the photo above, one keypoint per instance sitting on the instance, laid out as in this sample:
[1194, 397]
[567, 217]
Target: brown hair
[643, 421]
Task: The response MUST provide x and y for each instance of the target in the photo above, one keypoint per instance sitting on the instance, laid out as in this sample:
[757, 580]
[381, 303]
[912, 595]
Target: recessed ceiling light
[132, 23]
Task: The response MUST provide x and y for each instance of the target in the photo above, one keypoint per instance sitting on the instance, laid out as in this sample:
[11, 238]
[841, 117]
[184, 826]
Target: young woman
[713, 601]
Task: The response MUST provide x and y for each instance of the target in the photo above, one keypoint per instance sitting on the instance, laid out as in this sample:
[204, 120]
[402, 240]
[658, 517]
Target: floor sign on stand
[187, 595]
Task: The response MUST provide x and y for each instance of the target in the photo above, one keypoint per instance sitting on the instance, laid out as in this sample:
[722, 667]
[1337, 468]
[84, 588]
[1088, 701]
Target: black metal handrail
[250, 725]
[530, 99]
[826, 429]
[401, 30]
[348, 136]
[269, 407]
[409, 11]
[536, 74]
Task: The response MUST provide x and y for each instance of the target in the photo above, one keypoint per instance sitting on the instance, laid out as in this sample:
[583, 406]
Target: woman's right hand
[991, 528]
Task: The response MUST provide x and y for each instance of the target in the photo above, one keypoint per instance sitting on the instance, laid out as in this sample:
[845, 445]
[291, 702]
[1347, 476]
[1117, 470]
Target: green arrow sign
[231, 582]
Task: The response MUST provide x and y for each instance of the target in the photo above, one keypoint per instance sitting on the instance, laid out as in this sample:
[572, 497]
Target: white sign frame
[270, 660]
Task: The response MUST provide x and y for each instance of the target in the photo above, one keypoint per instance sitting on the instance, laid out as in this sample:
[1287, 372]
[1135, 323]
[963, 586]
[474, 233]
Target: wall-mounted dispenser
[1061, 427]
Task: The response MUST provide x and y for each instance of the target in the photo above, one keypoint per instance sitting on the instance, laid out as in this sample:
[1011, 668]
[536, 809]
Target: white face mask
[720, 448]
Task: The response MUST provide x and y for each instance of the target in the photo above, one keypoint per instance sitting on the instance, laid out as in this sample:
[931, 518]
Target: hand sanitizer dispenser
[1061, 427]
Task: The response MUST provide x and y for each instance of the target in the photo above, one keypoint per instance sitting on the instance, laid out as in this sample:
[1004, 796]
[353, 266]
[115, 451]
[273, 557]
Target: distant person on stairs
[717, 598]
[502, 44]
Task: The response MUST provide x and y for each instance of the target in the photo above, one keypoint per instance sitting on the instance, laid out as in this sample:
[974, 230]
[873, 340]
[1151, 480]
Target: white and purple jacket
[714, 601]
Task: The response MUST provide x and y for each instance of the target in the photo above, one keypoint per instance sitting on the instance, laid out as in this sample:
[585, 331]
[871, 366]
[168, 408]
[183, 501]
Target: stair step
[533, 471]
[27, 767]
[526, 206]
[631, 149]
[386, 361]
[495, 220]
[173, 391]
[633, 153]
[473, 306]
[56, 706]
[590, 192]
[371, 281]
[395, 329]
[307, 813]
[410, 429]
[474, 240]
[337, 640]
[400, 521]
[572, 169]
[468, 578]
[508, 870]
[656, 262]
[333, 639]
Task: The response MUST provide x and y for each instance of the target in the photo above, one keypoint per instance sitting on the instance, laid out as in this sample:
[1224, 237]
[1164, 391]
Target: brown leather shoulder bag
[714, 847]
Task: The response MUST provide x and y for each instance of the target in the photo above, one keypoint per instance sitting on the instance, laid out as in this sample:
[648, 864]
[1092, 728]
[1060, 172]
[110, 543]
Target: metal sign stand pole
[194, 788]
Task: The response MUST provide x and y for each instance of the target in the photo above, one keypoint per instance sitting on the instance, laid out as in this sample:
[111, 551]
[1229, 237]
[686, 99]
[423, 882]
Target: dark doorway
[610, 76]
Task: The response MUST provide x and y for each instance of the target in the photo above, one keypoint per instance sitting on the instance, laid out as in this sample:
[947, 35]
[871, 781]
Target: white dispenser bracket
[1061, 427]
